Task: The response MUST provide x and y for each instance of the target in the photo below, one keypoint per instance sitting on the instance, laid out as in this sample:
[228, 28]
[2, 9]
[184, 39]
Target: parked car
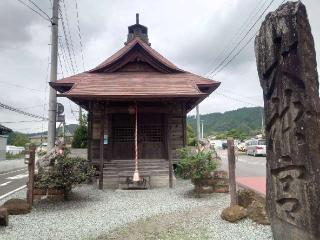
[256, 147]
[224, 145]
[242, 147]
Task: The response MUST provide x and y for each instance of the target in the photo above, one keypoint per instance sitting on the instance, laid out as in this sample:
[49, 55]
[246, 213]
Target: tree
[80, 137]
[234, 133]
[191, 138]
[18, 139]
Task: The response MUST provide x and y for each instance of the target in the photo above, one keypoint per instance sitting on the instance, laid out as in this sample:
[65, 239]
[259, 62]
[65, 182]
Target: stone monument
[286, 62]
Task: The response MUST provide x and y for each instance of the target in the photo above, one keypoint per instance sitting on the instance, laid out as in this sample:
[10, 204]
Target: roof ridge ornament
[138, 30]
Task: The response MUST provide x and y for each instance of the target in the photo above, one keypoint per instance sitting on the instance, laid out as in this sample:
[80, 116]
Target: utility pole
[262, 123]
[53, 75]
[80, 114]
[198, 124]
[201, 129]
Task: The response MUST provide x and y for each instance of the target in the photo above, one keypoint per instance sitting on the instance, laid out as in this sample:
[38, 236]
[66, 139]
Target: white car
[242, 147]
[256, 147]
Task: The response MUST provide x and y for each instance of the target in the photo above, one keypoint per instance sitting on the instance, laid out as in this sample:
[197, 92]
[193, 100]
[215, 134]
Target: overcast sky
[192, 34]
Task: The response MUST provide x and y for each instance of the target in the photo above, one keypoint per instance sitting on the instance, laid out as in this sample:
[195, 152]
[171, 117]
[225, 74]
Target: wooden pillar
[89, 139]
[31, 167]
[184, 124]
[102, 120]
[232, 174]
[110, 140]
[169, 153]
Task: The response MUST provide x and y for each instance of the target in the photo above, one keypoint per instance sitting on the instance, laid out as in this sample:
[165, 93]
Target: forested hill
[245, 119]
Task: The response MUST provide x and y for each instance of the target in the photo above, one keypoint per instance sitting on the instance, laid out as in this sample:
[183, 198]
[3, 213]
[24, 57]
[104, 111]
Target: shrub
[10, 156]
[65, 173]
[195, 164]
[41, 153]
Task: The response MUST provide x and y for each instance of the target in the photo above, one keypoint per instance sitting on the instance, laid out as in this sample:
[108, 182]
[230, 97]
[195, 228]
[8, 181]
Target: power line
[234, 56]
[213, 72]
[59, 60]
[79, 33]
[13, 109]
[22, 129]
[46, 85]
[64, 58]
[66, 40]
[31, 121]
[32, 9]
[71, 109]
[34, 4]
[238, 33]
[236, 99]
[242, 96]
[240, 50]
[69, 32]
[21, 86]
[36, 106]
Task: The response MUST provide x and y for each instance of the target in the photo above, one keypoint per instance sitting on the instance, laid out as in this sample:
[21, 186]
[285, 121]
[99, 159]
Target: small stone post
[286, 62]
[31, 167]
[232, 174]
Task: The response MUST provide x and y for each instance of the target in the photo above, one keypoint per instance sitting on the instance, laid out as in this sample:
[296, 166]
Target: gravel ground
[91, 213]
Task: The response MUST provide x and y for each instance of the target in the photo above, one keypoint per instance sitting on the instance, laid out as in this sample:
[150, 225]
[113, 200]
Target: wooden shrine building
[139, 77]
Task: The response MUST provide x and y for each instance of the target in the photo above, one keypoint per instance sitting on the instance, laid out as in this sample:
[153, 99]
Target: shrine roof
[114, 79]
[146, 84]
[128, 47]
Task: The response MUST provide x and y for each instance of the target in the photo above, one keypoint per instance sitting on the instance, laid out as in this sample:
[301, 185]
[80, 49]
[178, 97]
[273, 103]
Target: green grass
[10, 156]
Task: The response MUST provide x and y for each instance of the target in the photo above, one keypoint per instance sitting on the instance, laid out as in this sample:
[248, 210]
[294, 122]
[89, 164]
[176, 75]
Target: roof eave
[142, 96]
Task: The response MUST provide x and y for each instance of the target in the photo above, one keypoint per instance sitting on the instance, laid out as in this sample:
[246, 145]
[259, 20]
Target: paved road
[10, 165]
[246, 166]
[12, 181]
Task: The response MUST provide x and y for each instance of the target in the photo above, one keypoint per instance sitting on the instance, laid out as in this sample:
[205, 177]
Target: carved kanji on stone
[287, 68]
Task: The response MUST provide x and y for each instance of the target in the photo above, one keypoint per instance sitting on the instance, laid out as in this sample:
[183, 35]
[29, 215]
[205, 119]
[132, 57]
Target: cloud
[189, 33]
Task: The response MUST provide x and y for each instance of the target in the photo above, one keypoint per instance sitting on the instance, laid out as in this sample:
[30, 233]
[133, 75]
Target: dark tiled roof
[4, 130]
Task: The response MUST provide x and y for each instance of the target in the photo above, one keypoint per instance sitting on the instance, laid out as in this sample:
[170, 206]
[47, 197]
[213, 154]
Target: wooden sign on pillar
[286, 62]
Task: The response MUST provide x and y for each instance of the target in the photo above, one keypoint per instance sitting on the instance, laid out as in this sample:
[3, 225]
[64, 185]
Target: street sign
[60, 108]
[61, 118]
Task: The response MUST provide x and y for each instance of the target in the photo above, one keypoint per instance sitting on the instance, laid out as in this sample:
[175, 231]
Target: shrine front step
[156, 170]
[155, 181]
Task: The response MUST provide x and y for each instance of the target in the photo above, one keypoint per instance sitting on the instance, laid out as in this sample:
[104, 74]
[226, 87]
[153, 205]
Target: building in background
[4, 131]
[38, 139]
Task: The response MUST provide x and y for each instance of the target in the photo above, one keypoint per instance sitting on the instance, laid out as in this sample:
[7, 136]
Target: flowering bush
[65, 173]
[195, 164]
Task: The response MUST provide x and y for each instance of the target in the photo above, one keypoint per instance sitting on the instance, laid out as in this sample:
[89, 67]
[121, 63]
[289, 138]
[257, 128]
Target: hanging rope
[136, 177]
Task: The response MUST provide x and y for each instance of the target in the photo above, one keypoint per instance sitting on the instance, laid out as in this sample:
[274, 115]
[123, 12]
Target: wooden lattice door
[150, 136]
